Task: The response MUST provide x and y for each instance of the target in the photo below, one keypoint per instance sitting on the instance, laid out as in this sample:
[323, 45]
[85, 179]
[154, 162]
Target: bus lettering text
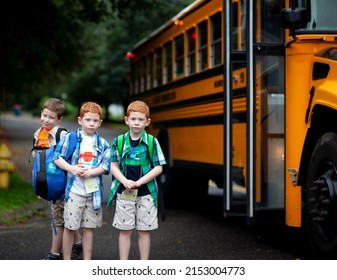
[164, 98]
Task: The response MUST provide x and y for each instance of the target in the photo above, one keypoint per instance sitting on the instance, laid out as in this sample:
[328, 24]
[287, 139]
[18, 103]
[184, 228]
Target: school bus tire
[320, 208]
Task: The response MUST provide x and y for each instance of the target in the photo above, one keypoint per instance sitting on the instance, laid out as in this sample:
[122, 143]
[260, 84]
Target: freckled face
[90, 122]
[137, 122]
[49, 119]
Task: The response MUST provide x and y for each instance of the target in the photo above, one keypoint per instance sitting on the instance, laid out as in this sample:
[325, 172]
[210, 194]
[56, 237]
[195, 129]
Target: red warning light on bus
[130, 55]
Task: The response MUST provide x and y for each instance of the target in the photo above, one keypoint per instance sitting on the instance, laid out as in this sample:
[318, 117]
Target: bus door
[254, 114]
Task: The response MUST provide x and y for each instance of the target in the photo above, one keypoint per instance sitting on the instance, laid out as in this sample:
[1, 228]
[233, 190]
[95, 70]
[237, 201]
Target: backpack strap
[150, 140]
[57, 136]
[120, 144]
[73, 139]
[52, 217]
[58, 133]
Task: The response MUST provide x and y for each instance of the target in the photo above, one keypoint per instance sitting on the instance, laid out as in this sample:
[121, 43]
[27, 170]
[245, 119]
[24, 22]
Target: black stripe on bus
[218, 70]
[210, 98]
[212, 120]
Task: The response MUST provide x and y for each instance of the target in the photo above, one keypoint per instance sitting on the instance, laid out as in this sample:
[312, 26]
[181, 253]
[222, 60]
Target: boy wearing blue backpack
[134, 186]
[46, 136]
[84, 191]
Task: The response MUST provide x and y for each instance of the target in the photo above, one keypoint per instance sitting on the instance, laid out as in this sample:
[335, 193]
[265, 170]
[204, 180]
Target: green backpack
[120, 144]
[150, 140]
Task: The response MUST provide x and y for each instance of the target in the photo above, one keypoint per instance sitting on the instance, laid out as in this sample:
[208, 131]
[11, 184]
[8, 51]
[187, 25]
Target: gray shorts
[140, 214]
[79, 212]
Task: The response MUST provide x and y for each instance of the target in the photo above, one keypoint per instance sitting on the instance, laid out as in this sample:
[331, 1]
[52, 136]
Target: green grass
[18, 202]
[17, 195]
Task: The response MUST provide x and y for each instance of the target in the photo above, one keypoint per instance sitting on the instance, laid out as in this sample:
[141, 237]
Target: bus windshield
[322, 14]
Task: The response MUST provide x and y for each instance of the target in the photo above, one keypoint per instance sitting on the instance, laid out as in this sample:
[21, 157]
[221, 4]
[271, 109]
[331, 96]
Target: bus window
[238, 26]
[202, 51]
[132, 79]
[191, 36]
[142, 74]
[168, 62]
[323, 17]
[159, 70]
[270, 22]
[149, 78]
[216, 39]
[270, 130]
[137, 77]
[179, 56]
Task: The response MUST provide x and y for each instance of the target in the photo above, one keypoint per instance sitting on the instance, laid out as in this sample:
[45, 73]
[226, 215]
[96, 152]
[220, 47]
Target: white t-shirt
[87, 159]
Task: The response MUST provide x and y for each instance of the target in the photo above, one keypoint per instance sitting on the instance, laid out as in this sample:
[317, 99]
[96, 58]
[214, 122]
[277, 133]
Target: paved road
[192, 233]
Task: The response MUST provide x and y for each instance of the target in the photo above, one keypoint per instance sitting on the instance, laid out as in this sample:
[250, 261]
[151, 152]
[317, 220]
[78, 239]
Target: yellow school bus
[244, 93]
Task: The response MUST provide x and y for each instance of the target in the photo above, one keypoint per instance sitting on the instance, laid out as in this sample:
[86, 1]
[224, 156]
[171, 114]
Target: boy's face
[90, 122]
[49, 119]
[137, 122]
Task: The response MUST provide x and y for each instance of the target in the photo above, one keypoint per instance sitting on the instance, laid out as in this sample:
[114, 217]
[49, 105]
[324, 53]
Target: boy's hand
[77, 170]
[86, 173]
[129, 185]
[137, 184]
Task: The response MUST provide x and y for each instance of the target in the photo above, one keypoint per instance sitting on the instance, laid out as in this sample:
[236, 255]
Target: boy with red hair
[84, 192]
[134, 173]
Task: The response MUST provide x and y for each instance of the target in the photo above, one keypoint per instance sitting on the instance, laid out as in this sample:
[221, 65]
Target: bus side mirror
[294, 19]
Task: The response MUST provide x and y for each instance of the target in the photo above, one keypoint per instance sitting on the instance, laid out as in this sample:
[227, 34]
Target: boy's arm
[73, 169]
[62, 150]
[153, 173]
[94, 172]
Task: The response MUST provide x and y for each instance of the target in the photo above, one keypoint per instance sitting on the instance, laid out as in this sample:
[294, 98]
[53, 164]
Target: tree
[110, 81]
[42, 41]
[73, 46]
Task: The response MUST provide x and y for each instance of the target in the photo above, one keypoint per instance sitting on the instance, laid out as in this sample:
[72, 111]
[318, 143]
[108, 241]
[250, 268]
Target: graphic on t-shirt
[87, 159]
[87, 156]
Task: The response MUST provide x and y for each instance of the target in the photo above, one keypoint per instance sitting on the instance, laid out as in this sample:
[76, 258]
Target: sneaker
[53, 256]
[77, 251]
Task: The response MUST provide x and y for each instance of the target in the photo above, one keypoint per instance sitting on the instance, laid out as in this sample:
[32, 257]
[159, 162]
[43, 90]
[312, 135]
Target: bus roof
[170, 23]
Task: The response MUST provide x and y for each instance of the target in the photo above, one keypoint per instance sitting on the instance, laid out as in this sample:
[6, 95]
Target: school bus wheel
[321, 195]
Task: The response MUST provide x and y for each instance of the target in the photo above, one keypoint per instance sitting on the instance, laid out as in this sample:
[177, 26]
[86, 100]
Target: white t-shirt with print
[87, 160]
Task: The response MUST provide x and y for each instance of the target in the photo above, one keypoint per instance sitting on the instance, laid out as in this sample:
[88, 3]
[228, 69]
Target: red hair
[138, 106]
[91, 107]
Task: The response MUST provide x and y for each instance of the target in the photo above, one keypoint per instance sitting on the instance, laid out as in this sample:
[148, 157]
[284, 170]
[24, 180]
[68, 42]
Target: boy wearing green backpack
[134, 169]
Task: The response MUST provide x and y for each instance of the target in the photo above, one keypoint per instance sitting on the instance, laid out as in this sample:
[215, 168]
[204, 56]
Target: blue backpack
[49, 181]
